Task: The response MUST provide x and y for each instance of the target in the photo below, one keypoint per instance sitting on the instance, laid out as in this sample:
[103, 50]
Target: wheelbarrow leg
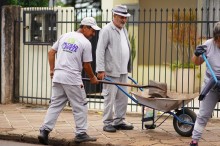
[142, 120]
[146, 119]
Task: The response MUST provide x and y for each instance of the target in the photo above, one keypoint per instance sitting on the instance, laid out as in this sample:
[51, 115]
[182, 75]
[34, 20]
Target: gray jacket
[108, 52]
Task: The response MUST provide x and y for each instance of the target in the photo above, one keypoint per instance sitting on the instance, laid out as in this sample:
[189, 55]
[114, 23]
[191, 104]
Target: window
[40, 27]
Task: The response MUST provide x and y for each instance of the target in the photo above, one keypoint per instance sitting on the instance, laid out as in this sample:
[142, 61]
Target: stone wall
[10, 39]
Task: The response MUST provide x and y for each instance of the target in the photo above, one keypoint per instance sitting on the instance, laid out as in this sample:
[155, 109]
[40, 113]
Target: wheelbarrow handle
[124, 84]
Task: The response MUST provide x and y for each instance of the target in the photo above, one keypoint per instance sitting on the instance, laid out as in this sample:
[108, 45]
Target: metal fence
[162, 43]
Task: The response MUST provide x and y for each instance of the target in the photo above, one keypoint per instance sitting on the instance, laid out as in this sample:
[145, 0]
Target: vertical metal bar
[135, 50]
[183, 45]
[28, 71]
[32, 80]
[75, 18]
[23, 72]
[195, 40]
[171, 51]
[71, 19]
[37, 58]
[149, 35]
[138, 44]
[189, 45]
[160, 47]
[66, 20]
[166, 46]
[143, 54]
[101, 18]
[86, 13]
[177, 46]
[207, 19]
[62, 21]
[42, 56]
[155, 39]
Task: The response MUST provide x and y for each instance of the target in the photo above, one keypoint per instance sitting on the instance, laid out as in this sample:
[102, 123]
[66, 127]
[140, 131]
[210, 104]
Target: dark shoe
[83, 138]
[123, 127]
[193, 143]
[43, 137]
[109, 128]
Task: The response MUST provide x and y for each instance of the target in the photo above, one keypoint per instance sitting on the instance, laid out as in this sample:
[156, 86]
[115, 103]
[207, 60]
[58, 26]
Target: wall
[9, 53]
[155, 49]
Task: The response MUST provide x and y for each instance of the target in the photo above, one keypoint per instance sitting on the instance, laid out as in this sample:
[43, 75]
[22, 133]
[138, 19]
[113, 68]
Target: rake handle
[124, 84]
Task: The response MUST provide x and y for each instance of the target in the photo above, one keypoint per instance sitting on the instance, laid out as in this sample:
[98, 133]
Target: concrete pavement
[21, 123]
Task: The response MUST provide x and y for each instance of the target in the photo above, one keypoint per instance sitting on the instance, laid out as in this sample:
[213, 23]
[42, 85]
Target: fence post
[10, 39]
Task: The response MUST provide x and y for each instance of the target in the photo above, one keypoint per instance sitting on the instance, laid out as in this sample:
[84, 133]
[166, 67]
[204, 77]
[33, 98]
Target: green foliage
[59, 3]
[12, 2]
[132, 42]
[29, 3]
[133, 51]
[182, 65]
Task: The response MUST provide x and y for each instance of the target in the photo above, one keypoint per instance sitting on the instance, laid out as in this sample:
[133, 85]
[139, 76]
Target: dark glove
[200, 50]
[207, 88]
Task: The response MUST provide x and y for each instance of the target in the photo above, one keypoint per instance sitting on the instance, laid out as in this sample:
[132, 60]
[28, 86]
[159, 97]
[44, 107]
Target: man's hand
[94, 80]
[101, 75]
[200, 50]
[51, 74]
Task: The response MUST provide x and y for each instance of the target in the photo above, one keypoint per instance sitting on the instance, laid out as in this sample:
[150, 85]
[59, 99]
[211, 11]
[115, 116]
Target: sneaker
[109, 128]
[83, 138]
[43, 137]
[124, 127]
[193, 143]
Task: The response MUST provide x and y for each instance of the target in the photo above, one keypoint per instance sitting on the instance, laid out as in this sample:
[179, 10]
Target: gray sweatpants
[76, 95]
[116, 100]
[205, 111]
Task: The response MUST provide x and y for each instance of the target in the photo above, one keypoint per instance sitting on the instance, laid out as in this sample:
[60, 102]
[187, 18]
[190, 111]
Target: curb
[52, 141]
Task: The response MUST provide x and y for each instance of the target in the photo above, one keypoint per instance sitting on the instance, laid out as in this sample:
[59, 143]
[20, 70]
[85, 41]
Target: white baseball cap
[121, 10]
[90, 21]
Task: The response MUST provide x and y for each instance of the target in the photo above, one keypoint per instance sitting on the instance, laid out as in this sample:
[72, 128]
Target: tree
[183, 34]
[28, 3]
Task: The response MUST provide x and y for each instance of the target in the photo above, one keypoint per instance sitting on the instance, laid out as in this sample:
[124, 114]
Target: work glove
[200, 50]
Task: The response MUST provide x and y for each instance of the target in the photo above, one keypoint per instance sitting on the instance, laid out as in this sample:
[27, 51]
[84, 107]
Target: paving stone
[21, 122]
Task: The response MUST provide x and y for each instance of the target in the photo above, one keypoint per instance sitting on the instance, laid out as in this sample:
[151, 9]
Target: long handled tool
[212, 82]
[124, 84]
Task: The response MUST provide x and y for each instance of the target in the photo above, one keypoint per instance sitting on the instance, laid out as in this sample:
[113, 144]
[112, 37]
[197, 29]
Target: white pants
[205, 111]
[61, 93]
[116, 100]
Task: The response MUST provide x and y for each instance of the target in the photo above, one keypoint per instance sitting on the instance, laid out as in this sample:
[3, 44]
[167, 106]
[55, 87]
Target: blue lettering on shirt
[69, 47]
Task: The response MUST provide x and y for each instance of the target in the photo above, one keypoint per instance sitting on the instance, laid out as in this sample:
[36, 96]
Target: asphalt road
[13, 143]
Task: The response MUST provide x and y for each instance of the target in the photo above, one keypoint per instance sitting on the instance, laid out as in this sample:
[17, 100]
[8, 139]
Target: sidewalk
[21, 123]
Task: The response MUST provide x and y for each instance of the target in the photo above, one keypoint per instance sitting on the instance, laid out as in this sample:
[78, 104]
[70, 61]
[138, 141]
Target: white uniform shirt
[213, 54]
[72, 50]
[125, 53]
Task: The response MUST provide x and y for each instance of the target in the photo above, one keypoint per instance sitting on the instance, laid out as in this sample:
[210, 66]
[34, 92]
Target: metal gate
[40, 27]
[155, 48]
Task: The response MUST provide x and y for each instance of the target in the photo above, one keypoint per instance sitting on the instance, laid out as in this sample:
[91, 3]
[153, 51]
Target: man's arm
[51, 60]
[197, 60]
[88, 69]
[100, 50]
[197, 57]
[100, 53]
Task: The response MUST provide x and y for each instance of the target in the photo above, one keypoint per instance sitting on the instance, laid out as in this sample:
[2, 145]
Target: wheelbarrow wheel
[186, 115]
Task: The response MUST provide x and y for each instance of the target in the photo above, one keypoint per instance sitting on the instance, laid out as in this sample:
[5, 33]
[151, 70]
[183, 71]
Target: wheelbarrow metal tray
[172, 102]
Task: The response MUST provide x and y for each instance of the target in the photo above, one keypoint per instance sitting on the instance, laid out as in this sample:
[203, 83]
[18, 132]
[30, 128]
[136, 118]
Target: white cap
[121, 10]
[90, 21]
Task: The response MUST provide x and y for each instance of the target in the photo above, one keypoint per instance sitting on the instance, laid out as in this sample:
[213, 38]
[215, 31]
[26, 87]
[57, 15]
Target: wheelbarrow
[183, 118]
